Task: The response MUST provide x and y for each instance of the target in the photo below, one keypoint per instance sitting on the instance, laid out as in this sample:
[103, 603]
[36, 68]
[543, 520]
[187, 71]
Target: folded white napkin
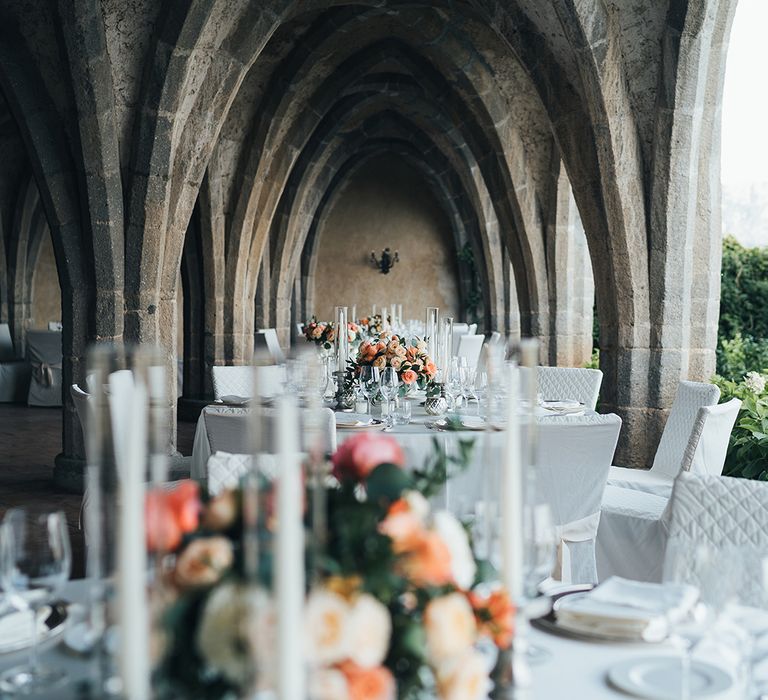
[351, 421]
[620, 608]
[234, 399]
[16, 628]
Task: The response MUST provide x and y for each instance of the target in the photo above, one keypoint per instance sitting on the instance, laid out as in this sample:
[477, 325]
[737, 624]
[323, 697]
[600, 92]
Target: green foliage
[741, 354]
[748, 447]
[594, 361]
[743, 291]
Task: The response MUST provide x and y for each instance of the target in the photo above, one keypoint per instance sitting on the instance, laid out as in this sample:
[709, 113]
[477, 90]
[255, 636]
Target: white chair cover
[7, 353]
[571, 475]
[576, 383]
[228, 429]
[459, 329]
[15, 374]
[55, 326]
[679, 445]
[266, 339]
[472, 329]
[44, 353]
[632, 535]
[81, 400]
[471, 347]
[723, 513]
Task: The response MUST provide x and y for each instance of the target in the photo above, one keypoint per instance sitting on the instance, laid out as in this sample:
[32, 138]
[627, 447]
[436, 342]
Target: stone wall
[46, 292]
[386, 203]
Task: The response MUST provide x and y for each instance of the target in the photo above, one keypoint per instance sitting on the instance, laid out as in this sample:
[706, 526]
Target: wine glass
[35, 563]
[454, 382]
[714, 573]
[369, 384]
[389, 382]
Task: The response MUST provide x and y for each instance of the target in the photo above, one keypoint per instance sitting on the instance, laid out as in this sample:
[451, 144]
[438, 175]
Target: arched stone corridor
[572, 147]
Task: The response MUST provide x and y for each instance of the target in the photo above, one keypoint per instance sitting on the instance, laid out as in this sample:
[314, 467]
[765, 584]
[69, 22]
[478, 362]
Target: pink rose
[409, 376]
[358, 456]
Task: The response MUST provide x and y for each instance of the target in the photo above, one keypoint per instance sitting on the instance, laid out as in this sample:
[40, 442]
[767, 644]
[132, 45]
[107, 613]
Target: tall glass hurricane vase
[431, 330]
[342, 338]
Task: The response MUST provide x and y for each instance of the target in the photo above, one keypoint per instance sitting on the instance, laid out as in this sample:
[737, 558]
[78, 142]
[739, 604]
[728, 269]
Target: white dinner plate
[658, 678]
[374, 424]
[16, 627]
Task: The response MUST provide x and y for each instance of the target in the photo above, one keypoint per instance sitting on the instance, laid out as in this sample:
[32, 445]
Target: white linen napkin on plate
[620, 608]
[351, 420]
[16, 628]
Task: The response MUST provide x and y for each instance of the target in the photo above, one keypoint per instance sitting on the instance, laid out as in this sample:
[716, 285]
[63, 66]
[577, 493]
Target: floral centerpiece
[372, 326]
[414, 367]
[397, 608]
[323, 333]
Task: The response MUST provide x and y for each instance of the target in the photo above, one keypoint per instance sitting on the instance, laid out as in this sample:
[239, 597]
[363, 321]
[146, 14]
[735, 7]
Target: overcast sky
[745, 101]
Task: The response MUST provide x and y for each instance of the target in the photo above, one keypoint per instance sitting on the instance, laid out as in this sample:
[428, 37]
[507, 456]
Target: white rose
[328, 684]
[464, 677]
[371, 628]
[327, 629]
[236, 631]
[463, 564]
[450, 626]
[755, 382]
[417, 504]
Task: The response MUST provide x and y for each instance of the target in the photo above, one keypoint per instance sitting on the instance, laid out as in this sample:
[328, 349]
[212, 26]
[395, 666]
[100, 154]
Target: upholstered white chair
[44, 354]
[724, 514]
[230, 429]
[55, 326]
[266, 340]
[224, 470]
[472, 329]
[15, 374]
[633, 526]
[564, 383]
[243, 381]
[680, 439]
[471, 347]
[459, 330]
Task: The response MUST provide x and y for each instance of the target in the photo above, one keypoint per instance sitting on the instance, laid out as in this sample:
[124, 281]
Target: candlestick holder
[512, 678]
[345, 396]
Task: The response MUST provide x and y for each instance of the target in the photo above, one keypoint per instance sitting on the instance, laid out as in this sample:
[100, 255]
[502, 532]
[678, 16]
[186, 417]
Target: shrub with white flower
[755, 382]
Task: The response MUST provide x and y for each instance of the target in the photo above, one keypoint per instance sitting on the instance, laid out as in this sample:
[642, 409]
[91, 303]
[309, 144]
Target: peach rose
[221, 511]
[327, 630]
[395, 362]
[394, 344]
[450, 625]
[401, 352]
[203, 562]
[380, 362]
[409, 376]
[359, 455]
[317, 332]
[369, 683]
[431, 368]
[327, 684]
[404, 529]
[381, 345]
[464, 677]
[370, 628]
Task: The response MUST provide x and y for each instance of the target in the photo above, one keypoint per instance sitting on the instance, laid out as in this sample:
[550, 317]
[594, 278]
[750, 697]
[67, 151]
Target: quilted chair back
[233, 381]
[706, 455]
[726, 515]
[680, 431]
[266, 339]
[7, 353]
[577, 383]
[471, 346]
[224, 470]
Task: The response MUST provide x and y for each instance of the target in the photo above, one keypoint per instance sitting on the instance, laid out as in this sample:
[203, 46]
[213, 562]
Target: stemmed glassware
[35, 563]
[369, 384]
[389, 382]
[454, 383]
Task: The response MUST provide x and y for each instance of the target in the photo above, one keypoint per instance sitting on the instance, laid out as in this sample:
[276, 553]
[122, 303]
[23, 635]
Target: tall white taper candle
[133, 612]
[512, 495]
[289, 564]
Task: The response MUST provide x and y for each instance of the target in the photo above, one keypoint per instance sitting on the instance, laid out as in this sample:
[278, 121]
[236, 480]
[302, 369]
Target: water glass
[403, 412]
[369, 384]
[35, 564]
[389, 383]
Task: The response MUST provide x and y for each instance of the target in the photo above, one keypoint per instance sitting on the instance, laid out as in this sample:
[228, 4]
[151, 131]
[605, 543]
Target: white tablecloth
[576, 671]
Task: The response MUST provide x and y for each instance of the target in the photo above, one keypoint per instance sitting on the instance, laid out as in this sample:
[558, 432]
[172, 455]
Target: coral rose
[369, 683]
[427, 562]
[450, 626]
[359, 455]
[170, 514]
[203, 562]
[409, 376]
[495, 616]
[431, 368]
[463, 566]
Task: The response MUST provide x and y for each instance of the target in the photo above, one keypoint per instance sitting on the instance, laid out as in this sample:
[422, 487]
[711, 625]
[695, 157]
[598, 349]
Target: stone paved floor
[30, 439]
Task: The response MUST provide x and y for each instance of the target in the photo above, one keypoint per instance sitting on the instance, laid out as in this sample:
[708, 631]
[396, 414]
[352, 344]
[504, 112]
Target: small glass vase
[436, 404]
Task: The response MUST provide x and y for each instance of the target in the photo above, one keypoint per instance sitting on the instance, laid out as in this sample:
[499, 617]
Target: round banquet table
[576, 670]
